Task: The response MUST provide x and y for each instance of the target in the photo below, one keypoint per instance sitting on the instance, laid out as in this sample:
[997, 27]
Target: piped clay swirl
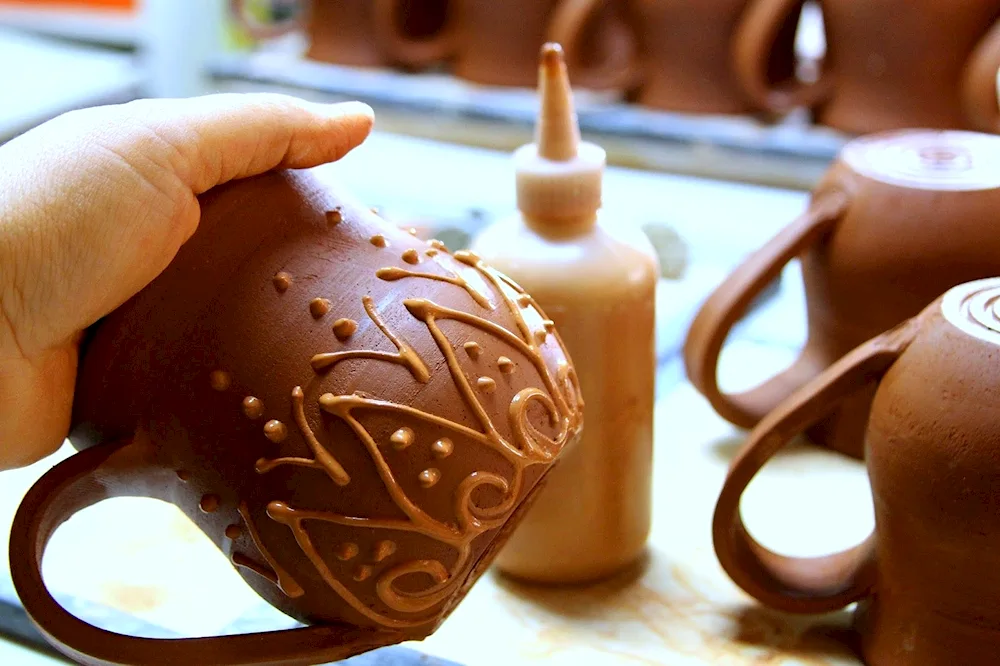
[558, 397]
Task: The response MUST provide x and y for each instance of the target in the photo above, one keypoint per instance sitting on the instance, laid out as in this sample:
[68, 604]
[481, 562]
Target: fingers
[219, 138]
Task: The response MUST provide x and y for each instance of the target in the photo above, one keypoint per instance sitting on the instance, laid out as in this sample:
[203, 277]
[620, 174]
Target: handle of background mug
[730, 301]
[802, 585]
[567, 28]
[413, 52]
[754, 43]
[108, 471]
[979, 84]
[257, 30]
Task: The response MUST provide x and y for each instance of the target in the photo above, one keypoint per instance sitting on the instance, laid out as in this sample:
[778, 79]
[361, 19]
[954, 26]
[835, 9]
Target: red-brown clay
[891, 64]
[367, 33]
[498, 42]
[359, 482]
[687, 54]
[899, 219]
[928, 579]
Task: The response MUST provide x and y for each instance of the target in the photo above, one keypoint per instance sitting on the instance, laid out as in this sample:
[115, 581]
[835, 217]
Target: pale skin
[96, 203]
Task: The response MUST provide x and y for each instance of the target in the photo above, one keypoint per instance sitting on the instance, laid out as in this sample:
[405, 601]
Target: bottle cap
[559, 176]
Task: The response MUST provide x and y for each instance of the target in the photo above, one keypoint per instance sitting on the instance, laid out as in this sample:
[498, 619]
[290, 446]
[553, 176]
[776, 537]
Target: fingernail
[346, 109]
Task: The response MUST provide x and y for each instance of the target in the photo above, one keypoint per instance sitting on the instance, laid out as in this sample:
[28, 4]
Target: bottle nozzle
[558, 132]
[558, 176]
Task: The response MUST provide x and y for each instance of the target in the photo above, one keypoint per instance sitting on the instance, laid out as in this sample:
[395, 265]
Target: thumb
[230, 136]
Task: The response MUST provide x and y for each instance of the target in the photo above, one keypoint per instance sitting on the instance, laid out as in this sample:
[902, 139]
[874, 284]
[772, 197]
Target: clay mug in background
[498, 42]
[366, 33]
[898, 219]
[891, 64]
[928, 579]
[355, 417]
[687, 54]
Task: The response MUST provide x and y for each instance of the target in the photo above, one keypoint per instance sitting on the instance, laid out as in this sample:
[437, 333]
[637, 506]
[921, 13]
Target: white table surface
[42, 78]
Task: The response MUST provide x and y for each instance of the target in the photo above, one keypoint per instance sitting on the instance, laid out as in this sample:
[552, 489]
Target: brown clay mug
[928, 579]
[355, 417]
[499, 42]
[891, 64]
[688, 49]
[899, 219]
[366, 33]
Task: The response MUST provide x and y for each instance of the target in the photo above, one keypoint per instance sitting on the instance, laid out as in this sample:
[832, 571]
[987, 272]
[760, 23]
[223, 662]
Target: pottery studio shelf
[791, 153]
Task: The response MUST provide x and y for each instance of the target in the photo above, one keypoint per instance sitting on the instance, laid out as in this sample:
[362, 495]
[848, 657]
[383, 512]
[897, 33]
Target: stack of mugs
[889, 64]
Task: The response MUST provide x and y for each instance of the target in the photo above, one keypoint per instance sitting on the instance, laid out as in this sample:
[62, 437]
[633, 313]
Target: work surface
[149, 571]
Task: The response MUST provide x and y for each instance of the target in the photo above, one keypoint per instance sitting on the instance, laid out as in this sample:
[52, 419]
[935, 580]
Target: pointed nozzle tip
[552, 54]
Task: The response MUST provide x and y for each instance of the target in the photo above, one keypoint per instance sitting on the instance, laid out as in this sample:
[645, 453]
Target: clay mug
[891, 64]
[366, 33]
[499, 42]
[928, 579]
[897, 220]
[687, 51]
[355, 417]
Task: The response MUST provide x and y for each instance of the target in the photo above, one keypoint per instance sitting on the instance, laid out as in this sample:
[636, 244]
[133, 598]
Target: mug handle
[791, 584]
[757, 37]
[567, 28]
[256, 29]
[979, 84]
[107, 471]
[730, 301]
[413, 52]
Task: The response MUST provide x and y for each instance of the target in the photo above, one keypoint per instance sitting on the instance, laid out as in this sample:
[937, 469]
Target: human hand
[96, 203]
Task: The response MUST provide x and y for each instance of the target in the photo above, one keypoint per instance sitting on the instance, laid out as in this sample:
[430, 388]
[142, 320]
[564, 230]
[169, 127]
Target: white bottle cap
[558, 176]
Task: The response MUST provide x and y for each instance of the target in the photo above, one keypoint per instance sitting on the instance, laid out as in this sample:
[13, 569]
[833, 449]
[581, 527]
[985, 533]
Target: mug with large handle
[979, 84]
[389, 32]
[619, 70]
[802, 585]
[730, 302]
[763, 30]
[109, 471]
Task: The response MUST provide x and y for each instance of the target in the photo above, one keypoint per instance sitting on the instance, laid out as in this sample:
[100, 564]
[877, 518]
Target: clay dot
[524, 300]
[429, 477]
[374, 210]
[472, 349]
[319, 307]
[411, 257]
[431, 252]
[362, 573]
[253, 407]
[467, 257]
[334, 217]
[401, 439]
[486, 385]
[505, 364]
[347, 551]
[183, 474]
[378, 240]
[412, 231]
[233, 532]
[282, 281]
[437, 245]
[210, 503]
[442, 448]
[275, 431]
[549, 325]
[384, 549]
[540, 337]
[220, 381]
[344, 328]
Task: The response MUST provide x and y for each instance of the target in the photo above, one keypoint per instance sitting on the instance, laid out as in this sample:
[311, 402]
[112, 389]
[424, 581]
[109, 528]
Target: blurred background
[716, 116]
